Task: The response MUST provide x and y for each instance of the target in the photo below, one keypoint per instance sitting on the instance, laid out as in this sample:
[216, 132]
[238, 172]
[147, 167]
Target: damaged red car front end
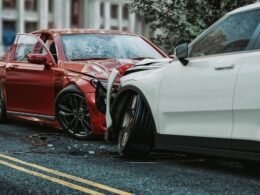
[57, 77]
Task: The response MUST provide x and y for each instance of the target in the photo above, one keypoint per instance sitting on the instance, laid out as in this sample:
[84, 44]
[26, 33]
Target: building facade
[28, 15]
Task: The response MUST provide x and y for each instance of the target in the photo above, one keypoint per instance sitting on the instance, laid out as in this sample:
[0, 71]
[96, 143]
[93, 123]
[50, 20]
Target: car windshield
[105, 46]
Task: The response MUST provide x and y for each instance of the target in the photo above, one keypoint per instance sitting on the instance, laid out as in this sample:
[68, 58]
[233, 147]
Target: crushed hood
[100, 68]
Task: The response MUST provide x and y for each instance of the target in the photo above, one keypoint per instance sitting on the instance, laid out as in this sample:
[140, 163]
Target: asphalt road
[41, 160]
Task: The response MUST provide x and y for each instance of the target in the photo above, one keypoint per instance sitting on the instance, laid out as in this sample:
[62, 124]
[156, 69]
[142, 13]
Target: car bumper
[111, 81]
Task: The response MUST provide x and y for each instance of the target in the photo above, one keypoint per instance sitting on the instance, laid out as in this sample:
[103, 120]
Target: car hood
[149, 64]
[100, 69]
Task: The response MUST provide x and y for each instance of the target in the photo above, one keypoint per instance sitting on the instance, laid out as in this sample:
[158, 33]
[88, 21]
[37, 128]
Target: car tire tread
[141, 137]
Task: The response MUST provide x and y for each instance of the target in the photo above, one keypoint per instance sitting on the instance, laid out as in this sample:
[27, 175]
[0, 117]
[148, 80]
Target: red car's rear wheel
[73, 114]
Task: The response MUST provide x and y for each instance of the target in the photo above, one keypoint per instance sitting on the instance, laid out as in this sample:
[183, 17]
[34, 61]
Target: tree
[181, 20]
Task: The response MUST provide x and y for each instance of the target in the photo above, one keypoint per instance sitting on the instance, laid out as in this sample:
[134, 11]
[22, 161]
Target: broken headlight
[101, 93]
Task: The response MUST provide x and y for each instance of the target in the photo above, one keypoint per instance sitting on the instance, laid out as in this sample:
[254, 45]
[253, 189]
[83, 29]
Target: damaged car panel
[114, 95]
[58, 77]
[148, 64]
[205, 102]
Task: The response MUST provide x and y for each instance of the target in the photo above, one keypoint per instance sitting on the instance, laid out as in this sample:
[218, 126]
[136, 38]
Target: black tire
[3, 117]
[135, 126]
[72, 113]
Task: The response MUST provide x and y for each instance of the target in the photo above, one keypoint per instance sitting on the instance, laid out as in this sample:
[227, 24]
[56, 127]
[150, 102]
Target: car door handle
[225, 67]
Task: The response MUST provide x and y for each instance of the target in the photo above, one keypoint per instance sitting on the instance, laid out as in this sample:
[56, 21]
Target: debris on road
[91, 152]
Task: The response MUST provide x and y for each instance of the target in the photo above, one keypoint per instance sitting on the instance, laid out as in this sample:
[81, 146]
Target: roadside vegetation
[181, 20]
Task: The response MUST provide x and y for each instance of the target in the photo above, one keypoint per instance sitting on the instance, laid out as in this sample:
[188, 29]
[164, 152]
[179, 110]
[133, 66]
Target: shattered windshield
[104, 46]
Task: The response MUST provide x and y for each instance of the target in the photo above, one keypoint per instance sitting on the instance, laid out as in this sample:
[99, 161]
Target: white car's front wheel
[135, 126]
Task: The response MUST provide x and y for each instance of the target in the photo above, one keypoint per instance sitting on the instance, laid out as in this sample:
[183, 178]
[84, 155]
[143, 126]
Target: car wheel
[72, 113]
[2, 108]
[135, 127]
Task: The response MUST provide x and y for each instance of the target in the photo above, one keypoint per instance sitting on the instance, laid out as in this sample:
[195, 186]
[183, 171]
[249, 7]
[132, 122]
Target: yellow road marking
[65, 175]
[59, 181]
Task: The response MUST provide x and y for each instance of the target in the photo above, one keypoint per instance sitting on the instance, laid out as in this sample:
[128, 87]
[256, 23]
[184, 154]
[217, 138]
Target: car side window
[232, 34]
[25, 45]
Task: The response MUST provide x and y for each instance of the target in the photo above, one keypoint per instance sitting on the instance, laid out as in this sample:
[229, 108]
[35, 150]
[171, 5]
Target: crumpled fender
[97, 119]
[83, 85]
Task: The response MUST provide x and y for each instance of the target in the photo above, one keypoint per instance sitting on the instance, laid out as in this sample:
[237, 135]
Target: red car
[50, 76]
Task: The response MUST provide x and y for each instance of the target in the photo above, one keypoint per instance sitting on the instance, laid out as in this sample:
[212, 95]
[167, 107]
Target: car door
[246, 133]
[29, 86]
[196, 101]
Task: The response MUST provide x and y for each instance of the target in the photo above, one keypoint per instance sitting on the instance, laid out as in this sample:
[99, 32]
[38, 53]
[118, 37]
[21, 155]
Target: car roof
[83, 31]
[246, 8]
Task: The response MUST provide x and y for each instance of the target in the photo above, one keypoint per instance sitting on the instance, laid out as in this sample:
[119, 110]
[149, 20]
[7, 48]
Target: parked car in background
[50, 76]
[207, 101]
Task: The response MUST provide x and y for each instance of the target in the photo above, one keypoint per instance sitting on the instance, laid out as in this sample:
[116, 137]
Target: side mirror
[37, 58]
[181, 52]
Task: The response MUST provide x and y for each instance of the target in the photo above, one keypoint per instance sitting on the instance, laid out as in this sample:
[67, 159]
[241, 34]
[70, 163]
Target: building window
[102, 9]
[50, 4]
[31, 5]
[114, 28]
[75, 13]
[9, 4]
[102, 26]
[30, 26]
[114, 11]
[125, 12]
[51, 24]
[9, 33]
[125, 28]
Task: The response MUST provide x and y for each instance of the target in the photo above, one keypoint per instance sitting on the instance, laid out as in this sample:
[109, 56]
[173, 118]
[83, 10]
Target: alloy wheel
[127, 123]
[74, 116]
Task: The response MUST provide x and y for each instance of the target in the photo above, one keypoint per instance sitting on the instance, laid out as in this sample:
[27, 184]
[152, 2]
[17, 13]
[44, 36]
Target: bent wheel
[73, 115]
[136, 128]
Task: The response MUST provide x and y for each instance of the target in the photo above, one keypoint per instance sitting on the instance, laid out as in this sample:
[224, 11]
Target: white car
[207, 101]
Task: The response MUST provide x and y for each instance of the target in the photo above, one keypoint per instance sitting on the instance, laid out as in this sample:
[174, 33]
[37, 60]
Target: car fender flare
[82, 84]
[79, 86]
[123, 91]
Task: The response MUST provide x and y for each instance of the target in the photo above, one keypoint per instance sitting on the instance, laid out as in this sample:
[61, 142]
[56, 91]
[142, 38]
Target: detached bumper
[109, 134]
[111, 81]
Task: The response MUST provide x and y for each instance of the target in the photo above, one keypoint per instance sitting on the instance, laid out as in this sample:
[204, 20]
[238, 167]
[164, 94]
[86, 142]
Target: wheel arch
[71, 87]
[82, 84]
[78, 85]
